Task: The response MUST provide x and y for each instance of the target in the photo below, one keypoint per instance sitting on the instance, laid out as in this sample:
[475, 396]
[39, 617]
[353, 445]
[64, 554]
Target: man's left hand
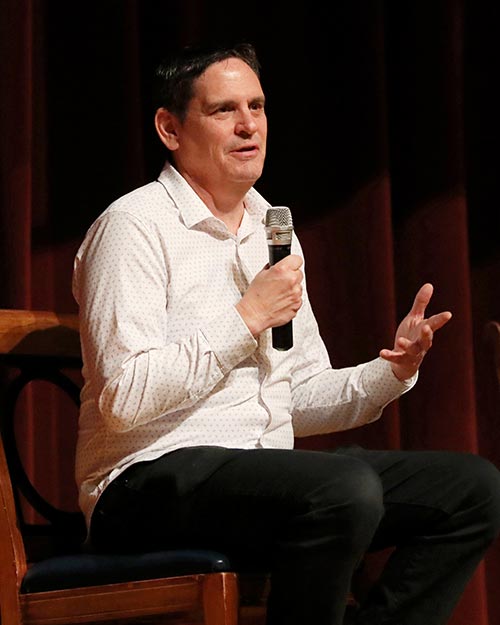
[414, 336]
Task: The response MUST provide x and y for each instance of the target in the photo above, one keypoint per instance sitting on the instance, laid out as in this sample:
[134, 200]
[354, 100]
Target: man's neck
[227, 205]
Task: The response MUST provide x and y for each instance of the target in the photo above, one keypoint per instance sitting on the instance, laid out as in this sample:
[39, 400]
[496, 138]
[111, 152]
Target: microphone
[279, 230]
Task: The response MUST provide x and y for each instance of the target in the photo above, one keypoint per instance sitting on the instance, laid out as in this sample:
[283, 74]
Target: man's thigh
[214, 496]
[420, 488]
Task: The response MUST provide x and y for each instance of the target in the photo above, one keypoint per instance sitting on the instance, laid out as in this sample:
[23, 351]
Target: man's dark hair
[174, 77]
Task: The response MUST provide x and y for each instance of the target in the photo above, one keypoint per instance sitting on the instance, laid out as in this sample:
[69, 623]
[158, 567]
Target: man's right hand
[274, 296]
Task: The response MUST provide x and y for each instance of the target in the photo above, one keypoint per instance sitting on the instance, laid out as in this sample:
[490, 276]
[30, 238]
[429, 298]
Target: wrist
[251, 318]
[403, 374]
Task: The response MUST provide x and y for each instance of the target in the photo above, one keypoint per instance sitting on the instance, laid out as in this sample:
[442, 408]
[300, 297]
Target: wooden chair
[70, 586]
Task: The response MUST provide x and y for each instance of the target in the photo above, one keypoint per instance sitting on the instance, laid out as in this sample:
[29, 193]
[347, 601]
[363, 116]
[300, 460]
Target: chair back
[45, 576]
[34, 345]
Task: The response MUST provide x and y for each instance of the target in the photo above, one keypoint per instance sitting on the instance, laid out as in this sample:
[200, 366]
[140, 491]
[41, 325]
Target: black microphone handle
[282, 335]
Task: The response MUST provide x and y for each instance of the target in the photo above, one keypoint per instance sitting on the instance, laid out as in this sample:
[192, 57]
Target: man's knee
[354, 505]
[484, 493]
[467, 487]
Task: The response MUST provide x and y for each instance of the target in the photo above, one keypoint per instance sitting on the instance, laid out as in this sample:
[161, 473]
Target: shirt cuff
[380, 383]
[230, 339]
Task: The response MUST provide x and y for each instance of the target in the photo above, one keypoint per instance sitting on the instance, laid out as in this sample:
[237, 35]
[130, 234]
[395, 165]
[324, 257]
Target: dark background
[383, 141]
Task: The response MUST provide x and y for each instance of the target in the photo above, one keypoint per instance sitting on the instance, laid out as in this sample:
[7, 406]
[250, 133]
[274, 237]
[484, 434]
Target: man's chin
[248, 174]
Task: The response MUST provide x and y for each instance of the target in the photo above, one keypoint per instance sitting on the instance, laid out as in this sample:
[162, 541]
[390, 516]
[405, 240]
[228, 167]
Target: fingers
[407, 355]
[291, 277]
[274, 296]
[420, 304]
[405, 348]
[415, 335]
[422, 299]
[292, 262]
[438, 321]
[414, 349]
[420, 346]
[389, 354]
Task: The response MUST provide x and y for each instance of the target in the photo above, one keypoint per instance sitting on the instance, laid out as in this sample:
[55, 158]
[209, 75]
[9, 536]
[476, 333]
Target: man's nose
[246, 123]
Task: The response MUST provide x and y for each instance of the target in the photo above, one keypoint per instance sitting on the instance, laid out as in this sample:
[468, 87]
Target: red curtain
[383, 141]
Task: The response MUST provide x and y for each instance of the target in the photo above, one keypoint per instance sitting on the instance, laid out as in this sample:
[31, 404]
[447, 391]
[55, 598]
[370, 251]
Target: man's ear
[166, 127]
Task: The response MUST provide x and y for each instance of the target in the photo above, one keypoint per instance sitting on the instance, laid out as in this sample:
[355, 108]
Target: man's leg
[442, 511]
[306, 516]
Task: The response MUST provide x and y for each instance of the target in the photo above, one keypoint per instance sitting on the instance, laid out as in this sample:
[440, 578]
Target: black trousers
[308, 517]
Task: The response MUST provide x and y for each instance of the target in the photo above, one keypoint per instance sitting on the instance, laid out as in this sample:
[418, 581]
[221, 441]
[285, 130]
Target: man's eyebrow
[261, 99]
[215, 104]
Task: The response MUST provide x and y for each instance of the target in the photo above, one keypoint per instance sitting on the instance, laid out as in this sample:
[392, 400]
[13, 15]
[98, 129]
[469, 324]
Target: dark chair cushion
[94, 569]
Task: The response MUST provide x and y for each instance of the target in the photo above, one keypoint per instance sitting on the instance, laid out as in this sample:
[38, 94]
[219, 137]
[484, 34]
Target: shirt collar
[191, 207]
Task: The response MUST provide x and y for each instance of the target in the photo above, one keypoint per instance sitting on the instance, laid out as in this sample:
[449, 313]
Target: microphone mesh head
[279, 217]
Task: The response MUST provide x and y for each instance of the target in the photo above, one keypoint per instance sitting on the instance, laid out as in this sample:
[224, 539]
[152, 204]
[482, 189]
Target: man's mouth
[245, 149]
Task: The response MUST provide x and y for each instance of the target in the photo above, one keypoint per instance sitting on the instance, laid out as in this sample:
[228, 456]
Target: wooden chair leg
[221, 599]
[10, 613]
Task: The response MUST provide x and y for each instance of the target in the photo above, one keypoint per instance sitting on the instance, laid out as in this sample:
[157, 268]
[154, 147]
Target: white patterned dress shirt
[167, 360]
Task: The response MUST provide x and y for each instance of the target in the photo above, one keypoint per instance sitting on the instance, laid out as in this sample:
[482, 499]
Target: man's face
[222, 140]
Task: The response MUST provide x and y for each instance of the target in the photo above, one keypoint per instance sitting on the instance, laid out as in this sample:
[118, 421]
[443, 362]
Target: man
[188, 413]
